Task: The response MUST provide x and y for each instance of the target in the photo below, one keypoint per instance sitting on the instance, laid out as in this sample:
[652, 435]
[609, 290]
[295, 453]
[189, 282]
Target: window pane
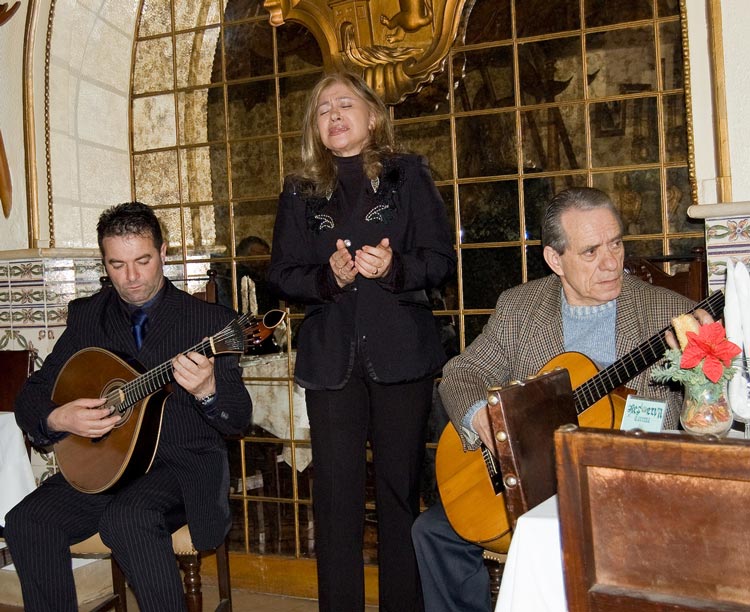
[297, 48]
[535, 18]
[637, 195]
[678, 201]
[432, 99]
[552, 139]
[488, 272]
[252, 109]
[249, 50]
[619, 58]
[537, 192]
[489, 21]
[293, 94]
[484, 79]
[670, 39]
[431, 139]
[196, 53]
[675, 118]
[489, 212]
[551, 70]
[255, 168]
[606, 12]
[486, 145]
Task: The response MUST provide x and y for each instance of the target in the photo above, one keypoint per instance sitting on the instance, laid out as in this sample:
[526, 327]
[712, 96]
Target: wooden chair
[653, 522]
[524, 416]
[692, 282]
[188, 558]
[16, 367]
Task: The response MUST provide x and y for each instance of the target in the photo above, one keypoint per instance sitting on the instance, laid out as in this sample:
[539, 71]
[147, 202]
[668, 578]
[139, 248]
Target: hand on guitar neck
[703, 318]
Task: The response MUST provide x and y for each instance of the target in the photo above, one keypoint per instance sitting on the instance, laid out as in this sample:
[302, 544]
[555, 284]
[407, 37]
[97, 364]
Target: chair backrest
[210, 294]
[653, 522]
[16, 366]
[691, 282]
[524, 417]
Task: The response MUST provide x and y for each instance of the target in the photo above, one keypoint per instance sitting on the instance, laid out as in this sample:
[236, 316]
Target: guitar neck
[150, 382]
[637, 360]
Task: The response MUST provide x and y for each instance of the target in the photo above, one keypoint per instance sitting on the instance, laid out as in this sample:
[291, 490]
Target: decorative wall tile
[726, 239]
[26, 270]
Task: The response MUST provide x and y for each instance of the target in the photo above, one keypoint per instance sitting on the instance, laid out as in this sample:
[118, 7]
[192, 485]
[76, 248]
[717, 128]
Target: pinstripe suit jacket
[525, 332]
[191, 441]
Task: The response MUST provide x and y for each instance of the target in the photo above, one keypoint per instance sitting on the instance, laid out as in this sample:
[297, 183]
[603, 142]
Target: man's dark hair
[575, 198]
[129, 219]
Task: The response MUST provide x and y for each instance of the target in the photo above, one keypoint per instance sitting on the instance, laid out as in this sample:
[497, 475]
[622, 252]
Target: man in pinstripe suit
[189, 478]
[587, 306]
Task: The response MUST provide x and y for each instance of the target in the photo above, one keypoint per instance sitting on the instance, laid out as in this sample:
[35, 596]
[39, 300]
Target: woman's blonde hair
[318, 166]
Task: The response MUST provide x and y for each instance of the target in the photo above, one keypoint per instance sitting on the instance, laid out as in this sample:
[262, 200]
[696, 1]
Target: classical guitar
[474, 502]
[127, 451]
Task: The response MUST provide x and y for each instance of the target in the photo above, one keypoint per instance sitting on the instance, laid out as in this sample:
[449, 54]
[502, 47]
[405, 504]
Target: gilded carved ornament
[396, 51]
[6, 186]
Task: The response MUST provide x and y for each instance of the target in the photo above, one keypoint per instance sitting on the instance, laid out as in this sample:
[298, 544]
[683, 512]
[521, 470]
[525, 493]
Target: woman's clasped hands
[369, 261]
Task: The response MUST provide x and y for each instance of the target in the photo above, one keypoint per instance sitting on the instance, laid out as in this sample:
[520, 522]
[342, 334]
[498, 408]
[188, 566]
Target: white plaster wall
[89, 119]
[736, 18]
[13, 232]
[735, 28]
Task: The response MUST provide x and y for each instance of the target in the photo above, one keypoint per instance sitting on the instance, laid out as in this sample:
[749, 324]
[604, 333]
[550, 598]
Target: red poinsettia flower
[711, 346]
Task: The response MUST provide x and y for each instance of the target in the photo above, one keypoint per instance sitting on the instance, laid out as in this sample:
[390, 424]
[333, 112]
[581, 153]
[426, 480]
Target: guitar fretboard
[635, 361]
[231, 338]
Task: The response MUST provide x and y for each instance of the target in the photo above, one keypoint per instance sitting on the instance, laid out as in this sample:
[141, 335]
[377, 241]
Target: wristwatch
[207, 400]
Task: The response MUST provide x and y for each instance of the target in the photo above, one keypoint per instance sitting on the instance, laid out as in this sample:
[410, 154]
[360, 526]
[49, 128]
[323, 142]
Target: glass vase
[706, 410]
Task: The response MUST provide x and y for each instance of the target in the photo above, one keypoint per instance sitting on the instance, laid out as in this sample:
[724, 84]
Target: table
[271, 403]
[533, 575]
[16, 477]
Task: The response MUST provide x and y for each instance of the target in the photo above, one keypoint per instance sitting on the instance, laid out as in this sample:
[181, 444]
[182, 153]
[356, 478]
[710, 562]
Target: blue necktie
[139, 318]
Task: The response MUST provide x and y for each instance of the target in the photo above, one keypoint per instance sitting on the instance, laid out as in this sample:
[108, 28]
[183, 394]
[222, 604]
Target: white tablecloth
[16, 477]
[533, 575]
[271, 403]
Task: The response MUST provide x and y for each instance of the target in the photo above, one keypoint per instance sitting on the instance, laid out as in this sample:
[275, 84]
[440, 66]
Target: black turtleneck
[350, 175]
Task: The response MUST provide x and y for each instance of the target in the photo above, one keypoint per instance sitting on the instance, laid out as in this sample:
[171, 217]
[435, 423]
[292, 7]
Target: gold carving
[396, 49]
[6, 187]
[6, 13]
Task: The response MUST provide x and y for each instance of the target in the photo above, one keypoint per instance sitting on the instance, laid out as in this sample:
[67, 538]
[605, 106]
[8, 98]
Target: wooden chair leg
[118, 586]
[495, 568]
[191, 568]
[222, 571]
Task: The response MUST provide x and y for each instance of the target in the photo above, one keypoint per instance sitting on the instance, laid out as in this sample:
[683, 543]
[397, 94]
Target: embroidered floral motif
[326, 222]
[318, 220]
[383, 200]
[380, 203]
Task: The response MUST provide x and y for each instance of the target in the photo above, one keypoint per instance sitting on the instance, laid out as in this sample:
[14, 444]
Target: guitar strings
[627, 367]
[151, 381]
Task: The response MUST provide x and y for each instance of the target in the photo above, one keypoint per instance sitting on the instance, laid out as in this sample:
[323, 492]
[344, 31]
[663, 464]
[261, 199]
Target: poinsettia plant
[705, 362]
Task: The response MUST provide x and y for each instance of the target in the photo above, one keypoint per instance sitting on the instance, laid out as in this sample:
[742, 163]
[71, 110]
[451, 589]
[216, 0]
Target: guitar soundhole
[115, 401]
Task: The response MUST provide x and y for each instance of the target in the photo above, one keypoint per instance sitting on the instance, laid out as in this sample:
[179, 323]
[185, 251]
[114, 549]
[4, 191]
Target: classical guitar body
[473, 506]
[126, 452]
[473, 503]
[605, 413]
